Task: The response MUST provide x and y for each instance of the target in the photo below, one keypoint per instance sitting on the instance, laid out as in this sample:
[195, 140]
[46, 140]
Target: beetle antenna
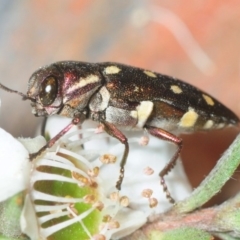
[24, 96]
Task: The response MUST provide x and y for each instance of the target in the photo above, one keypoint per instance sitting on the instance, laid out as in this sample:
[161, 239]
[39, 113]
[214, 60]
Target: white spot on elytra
[112, 70]
[105, 97]
[208, 100]
[134, 114]
[188, 119]
[143, 112]
[150, 74]
[221, 125]
[208, 124]
[176, 89]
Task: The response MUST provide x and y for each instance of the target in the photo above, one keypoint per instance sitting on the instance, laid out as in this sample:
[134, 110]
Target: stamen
[113, 225]
[148, 171]
[106, 218]
[153, 202]
[147, 193]
[114, 196]
[73, 210]
[93, 172]
[144, 140]
[108, 158]
[98, 205]
[85, 181]
[124, 201]
[89, 199]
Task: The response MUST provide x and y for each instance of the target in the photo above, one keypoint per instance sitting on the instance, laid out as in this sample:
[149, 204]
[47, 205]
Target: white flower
[72, 189]
[15, 167]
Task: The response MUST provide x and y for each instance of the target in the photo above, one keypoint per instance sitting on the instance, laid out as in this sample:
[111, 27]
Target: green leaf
[181, 234]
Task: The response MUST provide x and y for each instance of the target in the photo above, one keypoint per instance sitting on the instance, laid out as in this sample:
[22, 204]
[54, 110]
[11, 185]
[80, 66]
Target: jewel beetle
[120, 97]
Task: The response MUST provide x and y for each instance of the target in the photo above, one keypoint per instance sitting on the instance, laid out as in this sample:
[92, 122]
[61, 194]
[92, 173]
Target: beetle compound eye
[48, 91]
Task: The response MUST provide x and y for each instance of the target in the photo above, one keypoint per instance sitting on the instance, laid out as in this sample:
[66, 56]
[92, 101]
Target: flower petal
[33, 144]
[28, 220]
[130, 221]
[14, 171]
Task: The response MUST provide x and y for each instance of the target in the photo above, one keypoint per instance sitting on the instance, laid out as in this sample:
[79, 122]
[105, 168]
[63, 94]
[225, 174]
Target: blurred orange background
[197, 41]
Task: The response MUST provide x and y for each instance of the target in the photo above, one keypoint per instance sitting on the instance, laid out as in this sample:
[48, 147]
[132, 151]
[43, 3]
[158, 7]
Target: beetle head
[61, 88]
[43, 87]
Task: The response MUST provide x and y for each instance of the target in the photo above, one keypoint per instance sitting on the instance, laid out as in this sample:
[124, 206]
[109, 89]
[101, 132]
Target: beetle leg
[52, 141]
[43, 126]
[116, 133]
[164, 135]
